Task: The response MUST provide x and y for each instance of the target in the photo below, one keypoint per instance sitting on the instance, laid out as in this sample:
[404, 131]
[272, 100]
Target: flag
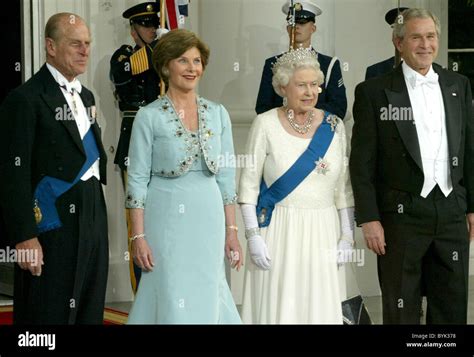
[183, 7]
[176, 10]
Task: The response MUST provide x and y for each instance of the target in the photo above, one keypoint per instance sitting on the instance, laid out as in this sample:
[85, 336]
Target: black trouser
[427, 244]
[71, 288]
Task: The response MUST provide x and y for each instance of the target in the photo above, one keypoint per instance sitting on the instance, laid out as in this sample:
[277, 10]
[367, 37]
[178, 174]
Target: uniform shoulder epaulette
[123, 53]
[127, 48]
[139, 61]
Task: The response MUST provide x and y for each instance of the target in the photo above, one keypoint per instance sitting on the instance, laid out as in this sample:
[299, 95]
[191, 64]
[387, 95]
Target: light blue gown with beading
[184, 216]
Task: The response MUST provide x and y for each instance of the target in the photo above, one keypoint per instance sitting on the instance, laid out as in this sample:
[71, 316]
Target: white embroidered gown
[302, 286]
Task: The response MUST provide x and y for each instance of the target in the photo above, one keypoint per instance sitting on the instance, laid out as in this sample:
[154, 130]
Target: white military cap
[304, 10]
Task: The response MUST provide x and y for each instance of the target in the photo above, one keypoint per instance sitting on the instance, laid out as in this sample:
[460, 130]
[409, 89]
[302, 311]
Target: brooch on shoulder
[332, 120]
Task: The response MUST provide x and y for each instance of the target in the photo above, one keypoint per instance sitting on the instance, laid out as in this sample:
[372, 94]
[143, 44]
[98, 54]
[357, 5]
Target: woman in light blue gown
[181, 196]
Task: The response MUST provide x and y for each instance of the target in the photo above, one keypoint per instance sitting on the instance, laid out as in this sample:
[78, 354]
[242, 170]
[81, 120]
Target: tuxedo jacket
[385, 162]
[37, 140]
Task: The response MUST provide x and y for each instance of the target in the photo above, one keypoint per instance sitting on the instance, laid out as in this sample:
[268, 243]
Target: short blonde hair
[173, 45]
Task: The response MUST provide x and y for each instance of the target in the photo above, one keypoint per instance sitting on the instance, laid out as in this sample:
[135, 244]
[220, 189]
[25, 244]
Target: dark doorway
[461, 38]
[12, 74]
[12, 43]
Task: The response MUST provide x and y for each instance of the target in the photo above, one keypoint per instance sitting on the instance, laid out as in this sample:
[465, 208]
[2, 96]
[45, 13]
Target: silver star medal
[322, 166]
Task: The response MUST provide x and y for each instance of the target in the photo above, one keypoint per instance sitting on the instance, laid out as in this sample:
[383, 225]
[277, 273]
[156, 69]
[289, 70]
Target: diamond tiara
[294, 56]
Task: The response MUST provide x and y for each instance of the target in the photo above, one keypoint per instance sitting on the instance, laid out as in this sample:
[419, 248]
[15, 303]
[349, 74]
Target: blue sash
[50, 188]
[305, 164]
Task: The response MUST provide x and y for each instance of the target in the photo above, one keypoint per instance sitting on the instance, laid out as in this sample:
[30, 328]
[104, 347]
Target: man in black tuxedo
[52, 164]
[412, 171]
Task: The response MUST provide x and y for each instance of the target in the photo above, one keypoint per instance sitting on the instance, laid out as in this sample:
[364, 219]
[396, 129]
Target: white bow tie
[430, 80]
[75, 85]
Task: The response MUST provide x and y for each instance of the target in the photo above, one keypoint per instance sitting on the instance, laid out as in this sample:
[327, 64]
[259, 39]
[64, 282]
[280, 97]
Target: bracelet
[141, 235]
[252, 232]
[235, 228]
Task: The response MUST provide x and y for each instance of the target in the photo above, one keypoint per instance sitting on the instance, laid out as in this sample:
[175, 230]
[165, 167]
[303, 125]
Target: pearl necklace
[300, 128]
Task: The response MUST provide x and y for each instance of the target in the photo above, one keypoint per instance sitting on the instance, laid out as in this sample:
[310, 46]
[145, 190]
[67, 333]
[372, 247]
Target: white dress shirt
[71, 92]
[430, 119]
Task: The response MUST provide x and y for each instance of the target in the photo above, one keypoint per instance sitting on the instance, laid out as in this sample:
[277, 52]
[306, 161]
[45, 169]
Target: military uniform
[136, 84]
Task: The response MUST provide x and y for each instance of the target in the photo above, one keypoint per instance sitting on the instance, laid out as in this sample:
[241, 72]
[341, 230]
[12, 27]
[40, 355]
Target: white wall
[243, 32]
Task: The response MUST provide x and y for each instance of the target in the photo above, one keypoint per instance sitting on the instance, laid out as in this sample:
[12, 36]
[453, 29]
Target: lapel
[88, 101]
[54, 99]
[398, 99]
[450, 92]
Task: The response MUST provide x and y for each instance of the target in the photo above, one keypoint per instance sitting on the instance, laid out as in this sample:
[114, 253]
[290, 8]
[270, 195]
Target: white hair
[284, 70]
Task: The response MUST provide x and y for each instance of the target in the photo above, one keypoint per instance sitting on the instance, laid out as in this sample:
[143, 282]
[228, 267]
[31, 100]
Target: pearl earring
[320, 89]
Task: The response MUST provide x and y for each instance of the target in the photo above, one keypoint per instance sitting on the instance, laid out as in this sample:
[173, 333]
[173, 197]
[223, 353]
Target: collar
[416, 79]
[309, 47]
[63, 82]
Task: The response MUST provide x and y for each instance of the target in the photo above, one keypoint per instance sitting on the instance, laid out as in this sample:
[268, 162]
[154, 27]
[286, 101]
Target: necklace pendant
[300, 128]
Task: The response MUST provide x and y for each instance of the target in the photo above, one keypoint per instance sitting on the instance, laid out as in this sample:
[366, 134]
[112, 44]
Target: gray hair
[55, 28]
[284, 71]
[408, 14]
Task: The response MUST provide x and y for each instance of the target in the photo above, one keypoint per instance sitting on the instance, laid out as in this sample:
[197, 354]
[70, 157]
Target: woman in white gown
[297, 203]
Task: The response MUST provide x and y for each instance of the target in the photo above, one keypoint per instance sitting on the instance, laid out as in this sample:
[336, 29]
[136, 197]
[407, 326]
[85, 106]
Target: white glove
[257, 246]
[346, 219]
[345, 246]
[344, 252]
[259, 252]
[160, 32]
